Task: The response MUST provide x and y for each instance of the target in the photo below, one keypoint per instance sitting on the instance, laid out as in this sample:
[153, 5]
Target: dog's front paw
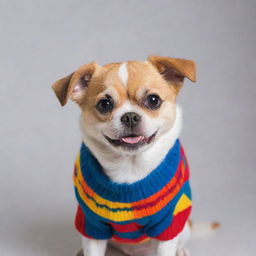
[80, 253]
[183, 252]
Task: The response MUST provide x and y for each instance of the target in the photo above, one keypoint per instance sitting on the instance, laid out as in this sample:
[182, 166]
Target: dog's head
[127, 106]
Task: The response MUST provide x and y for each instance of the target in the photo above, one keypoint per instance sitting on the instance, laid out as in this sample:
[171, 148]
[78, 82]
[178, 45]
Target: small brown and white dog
[129, 121]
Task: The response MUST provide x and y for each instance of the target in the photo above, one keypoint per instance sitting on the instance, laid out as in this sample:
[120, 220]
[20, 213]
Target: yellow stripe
[98, 198]
[118, 216]
[114, 216]
[183, 203]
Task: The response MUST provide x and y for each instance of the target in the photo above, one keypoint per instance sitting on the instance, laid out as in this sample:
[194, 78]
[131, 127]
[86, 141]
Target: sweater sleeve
[93, 229]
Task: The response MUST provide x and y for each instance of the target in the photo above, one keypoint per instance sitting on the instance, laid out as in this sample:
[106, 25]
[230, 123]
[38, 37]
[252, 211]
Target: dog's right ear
[74, 86]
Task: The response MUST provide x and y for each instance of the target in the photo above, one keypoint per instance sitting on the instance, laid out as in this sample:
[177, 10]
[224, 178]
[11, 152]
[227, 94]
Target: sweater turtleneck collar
[101, 184]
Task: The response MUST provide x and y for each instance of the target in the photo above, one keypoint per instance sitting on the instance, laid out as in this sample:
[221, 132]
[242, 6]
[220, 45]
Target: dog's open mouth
[131, 141]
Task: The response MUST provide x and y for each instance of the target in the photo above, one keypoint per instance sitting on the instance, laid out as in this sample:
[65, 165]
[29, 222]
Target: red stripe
[123, 228]
[186, 174]
[176, 226]
[181, 176]
[80, 222]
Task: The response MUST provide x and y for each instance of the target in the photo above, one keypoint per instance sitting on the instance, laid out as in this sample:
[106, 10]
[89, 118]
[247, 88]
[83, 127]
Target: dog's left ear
[75, 85]
[174, 70]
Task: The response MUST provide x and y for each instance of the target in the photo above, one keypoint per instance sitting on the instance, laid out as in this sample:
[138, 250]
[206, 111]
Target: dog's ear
[74, 86]
[174, 70]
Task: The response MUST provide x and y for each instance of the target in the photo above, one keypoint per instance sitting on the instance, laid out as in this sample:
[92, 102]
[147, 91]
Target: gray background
[41, 41]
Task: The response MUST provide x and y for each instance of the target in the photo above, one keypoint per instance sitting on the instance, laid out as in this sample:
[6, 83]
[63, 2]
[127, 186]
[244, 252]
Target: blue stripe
[127, 193]
[130, 235]
[105, 206]
[95, 226]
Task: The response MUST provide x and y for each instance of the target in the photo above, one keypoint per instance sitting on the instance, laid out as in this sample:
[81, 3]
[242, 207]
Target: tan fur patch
[145, 78]
[190, 223]
[215, 225]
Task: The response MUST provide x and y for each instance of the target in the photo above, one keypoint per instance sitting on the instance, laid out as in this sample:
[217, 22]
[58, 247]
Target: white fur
[113, 129]
[77, 92]
[123, 73]
[142, 163]
[168, 248]
[183, 252]
[93, 247]
[136, 166]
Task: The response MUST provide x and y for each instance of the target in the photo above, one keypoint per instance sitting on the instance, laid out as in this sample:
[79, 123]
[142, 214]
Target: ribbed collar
[101, 184]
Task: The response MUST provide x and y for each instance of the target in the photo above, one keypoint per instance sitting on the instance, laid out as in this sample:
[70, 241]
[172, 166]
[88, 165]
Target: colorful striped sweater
[157, 206]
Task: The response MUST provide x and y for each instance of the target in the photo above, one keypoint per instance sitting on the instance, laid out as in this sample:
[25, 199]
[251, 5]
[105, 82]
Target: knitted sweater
[157, 206]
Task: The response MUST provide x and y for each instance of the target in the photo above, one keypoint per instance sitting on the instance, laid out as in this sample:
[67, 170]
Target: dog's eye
[153, 101]
[105, 106]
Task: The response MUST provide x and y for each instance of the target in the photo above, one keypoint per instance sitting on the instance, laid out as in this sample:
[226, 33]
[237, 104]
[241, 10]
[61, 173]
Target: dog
[131, 175]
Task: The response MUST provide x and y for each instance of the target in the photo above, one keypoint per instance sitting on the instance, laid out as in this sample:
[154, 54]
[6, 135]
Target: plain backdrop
[42, 41]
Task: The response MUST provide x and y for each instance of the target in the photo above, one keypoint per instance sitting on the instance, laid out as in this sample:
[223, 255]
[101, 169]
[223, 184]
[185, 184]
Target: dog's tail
[200, 229]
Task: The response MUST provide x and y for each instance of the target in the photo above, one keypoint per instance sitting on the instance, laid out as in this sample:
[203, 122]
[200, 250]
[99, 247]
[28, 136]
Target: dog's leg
[176, 245]
[168, 248]
[183, 252]
[92, 247]
[184, 236]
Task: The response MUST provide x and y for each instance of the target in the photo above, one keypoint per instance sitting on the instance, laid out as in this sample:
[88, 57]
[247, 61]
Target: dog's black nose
[130, 119]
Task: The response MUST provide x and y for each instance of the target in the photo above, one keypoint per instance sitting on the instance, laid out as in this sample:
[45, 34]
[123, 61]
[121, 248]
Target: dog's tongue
[132, 140]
